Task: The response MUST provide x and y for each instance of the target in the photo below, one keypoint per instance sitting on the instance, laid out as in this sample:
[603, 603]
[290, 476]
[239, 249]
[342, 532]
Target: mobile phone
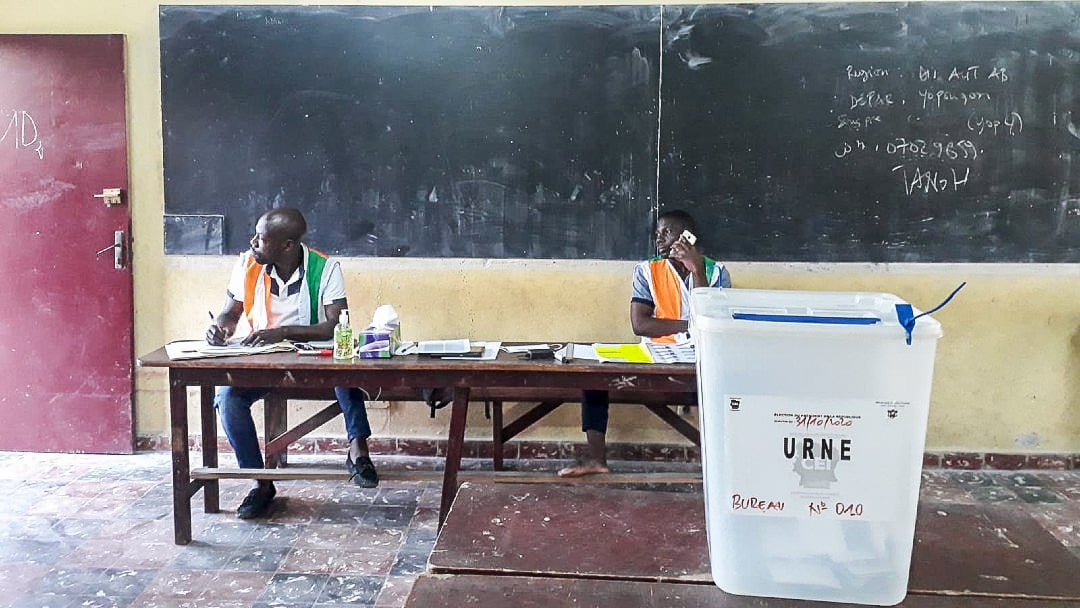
[539, 354]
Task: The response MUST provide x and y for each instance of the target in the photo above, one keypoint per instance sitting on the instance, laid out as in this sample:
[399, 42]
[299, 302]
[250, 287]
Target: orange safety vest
[255, 272]
[667, 291]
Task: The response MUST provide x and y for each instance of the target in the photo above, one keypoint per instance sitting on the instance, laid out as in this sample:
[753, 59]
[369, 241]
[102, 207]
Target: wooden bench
[280, 436]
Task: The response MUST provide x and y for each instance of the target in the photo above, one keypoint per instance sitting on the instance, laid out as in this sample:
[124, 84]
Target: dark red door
[66, 314]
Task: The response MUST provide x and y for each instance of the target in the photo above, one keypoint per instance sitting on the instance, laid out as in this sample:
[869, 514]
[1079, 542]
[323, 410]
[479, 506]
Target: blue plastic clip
[906, 316]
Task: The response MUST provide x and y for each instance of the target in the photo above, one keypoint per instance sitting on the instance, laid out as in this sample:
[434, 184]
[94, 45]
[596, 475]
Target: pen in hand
[215, 335]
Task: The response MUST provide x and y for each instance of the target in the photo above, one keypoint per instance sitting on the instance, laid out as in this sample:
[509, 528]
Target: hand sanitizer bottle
[343, 338]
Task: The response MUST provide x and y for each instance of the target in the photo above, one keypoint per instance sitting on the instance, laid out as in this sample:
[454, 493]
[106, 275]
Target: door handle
[118, 249]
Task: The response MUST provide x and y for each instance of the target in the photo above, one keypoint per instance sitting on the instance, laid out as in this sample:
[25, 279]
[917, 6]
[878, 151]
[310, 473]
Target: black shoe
[362, 472]
[257, 503]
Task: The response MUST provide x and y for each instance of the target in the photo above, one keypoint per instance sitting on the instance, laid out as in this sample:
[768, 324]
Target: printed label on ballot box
[817, 458]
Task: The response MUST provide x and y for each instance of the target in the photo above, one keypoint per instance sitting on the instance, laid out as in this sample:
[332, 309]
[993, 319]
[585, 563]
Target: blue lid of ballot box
[825, 320]
[859, 313]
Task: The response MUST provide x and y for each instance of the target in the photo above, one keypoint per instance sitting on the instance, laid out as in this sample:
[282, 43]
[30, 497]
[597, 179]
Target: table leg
[211, 502]
[454, 443]
[275, 423]
[181, 466]
[497, 435]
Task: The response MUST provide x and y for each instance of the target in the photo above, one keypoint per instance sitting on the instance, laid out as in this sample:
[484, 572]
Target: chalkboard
[921, 132]
[888, 132]
[443, 131]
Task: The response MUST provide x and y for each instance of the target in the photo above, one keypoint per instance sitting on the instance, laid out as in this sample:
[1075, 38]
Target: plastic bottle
[343, 337]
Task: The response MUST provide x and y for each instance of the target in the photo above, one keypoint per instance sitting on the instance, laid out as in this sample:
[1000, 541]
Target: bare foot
[589, 467]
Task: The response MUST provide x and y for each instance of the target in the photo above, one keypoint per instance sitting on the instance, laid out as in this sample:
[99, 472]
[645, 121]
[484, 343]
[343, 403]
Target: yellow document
[622, 353]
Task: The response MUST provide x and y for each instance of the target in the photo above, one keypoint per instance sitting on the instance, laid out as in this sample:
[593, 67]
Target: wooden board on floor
[993, 549]
[574, 531]
[601, 532]
[452, 591]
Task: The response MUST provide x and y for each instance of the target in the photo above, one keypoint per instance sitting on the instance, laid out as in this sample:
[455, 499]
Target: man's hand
[687, 255]
[224, 324]
[215, 335]
[266, 336]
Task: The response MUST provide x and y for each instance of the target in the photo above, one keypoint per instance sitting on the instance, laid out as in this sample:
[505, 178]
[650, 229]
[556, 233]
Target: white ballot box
[813, 410]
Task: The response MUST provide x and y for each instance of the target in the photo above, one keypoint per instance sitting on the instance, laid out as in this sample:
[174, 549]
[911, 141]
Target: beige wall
[1007, 368]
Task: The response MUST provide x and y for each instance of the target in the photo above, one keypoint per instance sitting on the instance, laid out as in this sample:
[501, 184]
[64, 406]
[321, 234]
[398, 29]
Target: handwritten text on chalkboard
[925, 166]
[882, 132]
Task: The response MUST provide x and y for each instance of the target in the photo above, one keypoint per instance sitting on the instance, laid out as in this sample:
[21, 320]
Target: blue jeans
[234, 406]
[594, 411]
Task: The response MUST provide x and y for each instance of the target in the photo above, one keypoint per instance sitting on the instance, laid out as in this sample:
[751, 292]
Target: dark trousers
[234, 406]
[594, 411]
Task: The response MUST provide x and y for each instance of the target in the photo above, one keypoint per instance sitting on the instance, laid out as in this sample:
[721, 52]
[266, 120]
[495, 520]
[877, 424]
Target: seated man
[287, 292]
[659, 309]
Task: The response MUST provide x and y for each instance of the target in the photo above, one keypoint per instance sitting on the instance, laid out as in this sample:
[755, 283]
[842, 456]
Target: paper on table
[672, 353]
[491, 352]
[621, 353]
[442, 347]
[199, 349]
[524, 348]
[646, 352]
[584, 352]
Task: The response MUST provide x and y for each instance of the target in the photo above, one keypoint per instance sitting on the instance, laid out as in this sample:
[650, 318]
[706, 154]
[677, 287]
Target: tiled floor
[78, 530]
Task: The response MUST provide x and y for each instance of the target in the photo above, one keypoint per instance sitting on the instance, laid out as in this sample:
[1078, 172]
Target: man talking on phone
[659, 312]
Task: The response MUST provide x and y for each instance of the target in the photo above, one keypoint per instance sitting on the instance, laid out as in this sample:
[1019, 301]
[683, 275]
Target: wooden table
[288, 372]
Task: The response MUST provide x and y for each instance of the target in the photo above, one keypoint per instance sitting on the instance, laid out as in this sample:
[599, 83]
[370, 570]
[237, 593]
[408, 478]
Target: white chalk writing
[1012, 124]
[23, 131]
[871, 99]
[929, 181]
[936, 98]
[866, 73]
[933, 144]
[857, 123]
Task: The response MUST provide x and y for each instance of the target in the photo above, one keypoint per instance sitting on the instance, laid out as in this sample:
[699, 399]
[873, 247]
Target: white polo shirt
[289, 297]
